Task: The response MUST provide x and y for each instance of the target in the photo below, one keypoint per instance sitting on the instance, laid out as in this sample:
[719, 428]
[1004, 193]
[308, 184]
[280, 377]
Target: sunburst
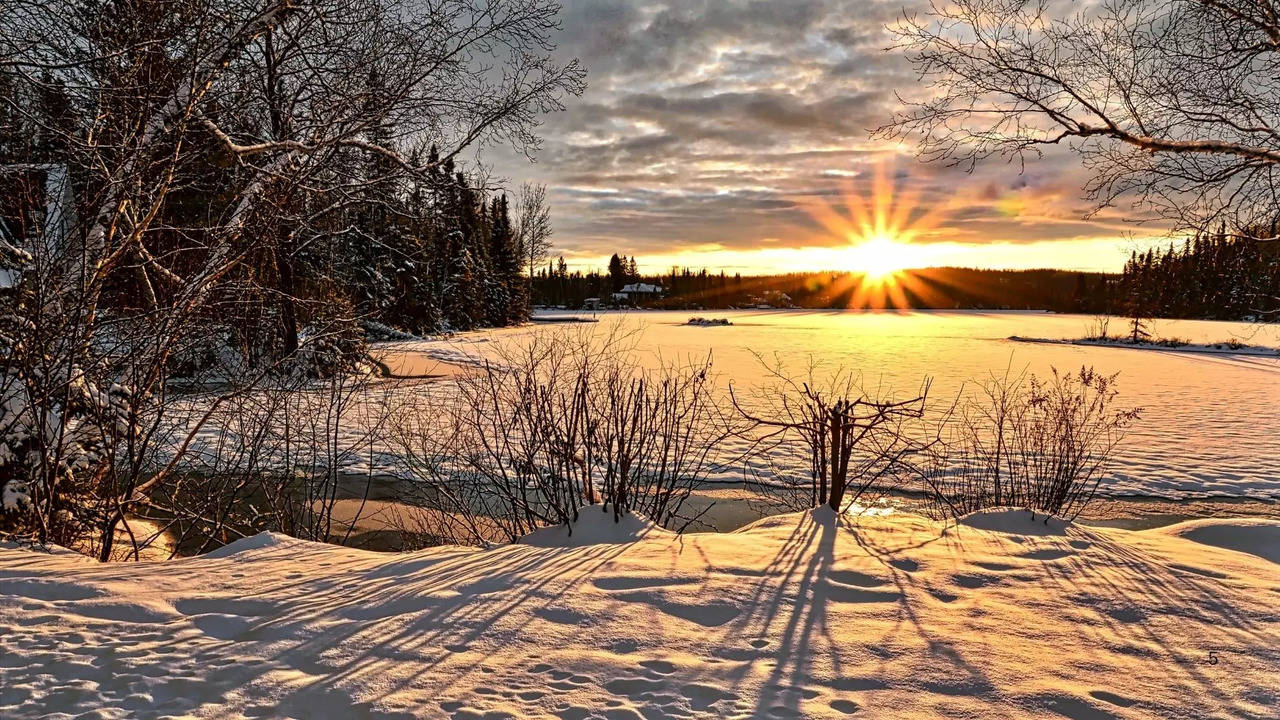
[881, 224]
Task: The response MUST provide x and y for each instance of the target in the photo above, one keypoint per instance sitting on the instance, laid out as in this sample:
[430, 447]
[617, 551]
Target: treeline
[1212, 277]
[937, 288]
[1215, 277]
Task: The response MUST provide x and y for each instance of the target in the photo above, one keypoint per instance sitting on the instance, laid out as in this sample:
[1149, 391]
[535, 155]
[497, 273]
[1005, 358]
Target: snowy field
[796, 616]
[1210, 424]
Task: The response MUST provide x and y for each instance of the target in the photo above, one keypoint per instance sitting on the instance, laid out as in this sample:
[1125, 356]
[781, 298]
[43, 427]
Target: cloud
[706, 121]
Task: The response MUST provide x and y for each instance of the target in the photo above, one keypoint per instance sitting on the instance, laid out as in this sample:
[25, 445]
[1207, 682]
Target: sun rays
[881, 224]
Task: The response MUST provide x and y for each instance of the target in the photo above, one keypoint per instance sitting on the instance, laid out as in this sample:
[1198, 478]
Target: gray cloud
[708, 121]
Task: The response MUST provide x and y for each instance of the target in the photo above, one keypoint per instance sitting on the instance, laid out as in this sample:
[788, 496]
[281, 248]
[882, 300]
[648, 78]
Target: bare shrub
[1099, 328]
[1027, 442]
[559, 423]
[276, 456]
[854, 442]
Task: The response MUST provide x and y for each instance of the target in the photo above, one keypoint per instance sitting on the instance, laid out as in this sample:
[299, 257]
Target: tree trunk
[837, 477]
[288, 315]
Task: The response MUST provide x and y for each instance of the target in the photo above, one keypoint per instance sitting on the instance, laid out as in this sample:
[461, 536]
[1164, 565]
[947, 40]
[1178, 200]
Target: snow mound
[1016, 521]
[821, 515]
[1255, 536]
[708, 322]
[52, 550]
[255, 542]
[595, 526]
[806, 615]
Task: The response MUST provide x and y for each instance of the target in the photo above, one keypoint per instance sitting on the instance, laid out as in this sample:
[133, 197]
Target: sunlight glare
[881, 221]
[878, 257]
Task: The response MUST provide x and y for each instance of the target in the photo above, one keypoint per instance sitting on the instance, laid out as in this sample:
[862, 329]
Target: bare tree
[533, 224]
[189, 129]
[1175, 103]
[854, 442]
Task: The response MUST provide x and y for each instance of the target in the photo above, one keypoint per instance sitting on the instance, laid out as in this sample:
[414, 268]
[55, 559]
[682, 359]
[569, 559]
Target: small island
[708, 322]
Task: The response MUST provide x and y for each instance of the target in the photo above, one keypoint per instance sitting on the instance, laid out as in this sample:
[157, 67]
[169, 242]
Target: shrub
[561, 423]
[1027, 442]
[853, 441]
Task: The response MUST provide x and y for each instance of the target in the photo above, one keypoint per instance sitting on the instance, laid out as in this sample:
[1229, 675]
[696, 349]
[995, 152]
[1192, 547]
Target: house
[637, 292]
[36, 212]
[36, 204]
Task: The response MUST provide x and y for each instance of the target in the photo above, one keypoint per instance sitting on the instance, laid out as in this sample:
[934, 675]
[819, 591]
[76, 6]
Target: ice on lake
[1210, 423]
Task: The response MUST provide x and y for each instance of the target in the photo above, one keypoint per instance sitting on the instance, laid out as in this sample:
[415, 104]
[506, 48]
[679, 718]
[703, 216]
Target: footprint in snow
[1200, 571]
[702, 696]
[1047, 554]
[848, 707]
[638, 582]
[848, 594]
[633, 687]
[905, 564]
[973, 582]
[1114, 699]
[850, 577]
[711, 614]
[662, 667]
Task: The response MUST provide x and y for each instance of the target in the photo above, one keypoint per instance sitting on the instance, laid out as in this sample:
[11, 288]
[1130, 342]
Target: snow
[594, 526]
[801, 615]
[1255, 536]
[1216, 348]
[1015, 521]
[1208, 423]
[640, 288]
[14, 496]
[1207, 429]
[256, 542]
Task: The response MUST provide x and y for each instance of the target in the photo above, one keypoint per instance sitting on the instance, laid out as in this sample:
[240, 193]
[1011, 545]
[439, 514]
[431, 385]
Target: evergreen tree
[617, 273]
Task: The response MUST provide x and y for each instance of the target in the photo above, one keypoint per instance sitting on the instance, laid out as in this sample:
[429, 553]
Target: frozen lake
[1210, 425]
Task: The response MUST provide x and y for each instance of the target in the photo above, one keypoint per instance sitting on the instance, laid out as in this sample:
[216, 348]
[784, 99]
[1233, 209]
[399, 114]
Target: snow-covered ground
[1209, 423]
[1209, 426]
[796, 616]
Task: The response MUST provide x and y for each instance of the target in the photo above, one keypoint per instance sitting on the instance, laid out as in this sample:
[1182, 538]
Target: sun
[879, 257]
[886, 228]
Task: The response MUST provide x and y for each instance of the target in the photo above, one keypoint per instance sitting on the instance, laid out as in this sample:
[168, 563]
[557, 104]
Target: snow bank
[803, 615]
[595, 525]
[1018, 521]
[1255, 536]
[256, 542]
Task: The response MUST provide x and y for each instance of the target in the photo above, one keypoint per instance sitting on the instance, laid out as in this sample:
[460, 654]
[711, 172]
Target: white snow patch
[595, 526]
[1016, 521]
[255, 542]
[1255, 536]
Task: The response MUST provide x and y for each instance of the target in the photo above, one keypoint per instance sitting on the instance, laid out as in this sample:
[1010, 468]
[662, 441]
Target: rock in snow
[801, 615]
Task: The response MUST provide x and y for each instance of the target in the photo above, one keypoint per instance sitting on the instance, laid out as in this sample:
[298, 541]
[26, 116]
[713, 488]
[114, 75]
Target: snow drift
[802, 615]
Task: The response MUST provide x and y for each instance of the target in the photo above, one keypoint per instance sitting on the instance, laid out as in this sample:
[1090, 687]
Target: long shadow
[430, 606]
[288, 641]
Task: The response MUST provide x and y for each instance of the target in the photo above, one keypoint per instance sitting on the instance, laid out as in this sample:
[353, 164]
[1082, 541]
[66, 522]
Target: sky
[736, 135]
